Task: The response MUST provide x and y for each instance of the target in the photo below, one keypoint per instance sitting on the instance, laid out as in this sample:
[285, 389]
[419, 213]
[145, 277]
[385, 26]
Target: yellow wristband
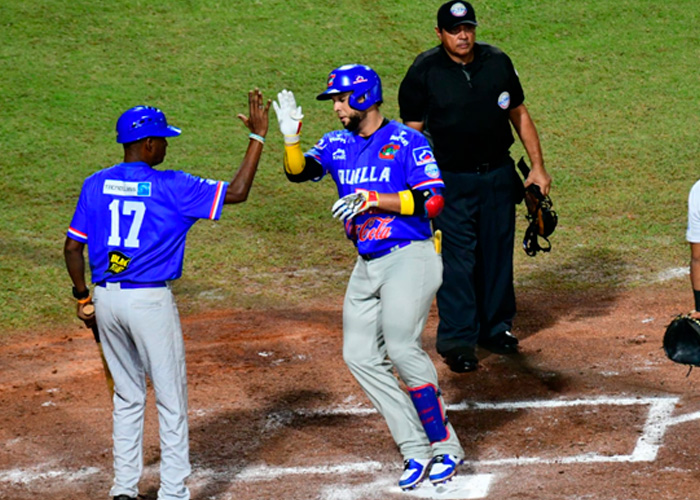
[408, 206]
[85, 300]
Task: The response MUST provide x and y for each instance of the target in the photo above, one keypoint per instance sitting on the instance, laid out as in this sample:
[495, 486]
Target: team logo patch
[339, 154]
[118, 262]
[432, 170]
[389, 151]
[331, 79]
[122, 188]
[504, 100]
[359, 79]
[423, 156]
[458, 10]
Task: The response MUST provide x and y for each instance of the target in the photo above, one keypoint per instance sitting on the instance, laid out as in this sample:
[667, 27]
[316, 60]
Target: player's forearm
[389, 202]
[239, 188]
[423, 203]
[75, 263]
[294, 161]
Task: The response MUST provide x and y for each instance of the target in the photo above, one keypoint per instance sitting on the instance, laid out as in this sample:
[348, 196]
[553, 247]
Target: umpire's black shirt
[464, 106]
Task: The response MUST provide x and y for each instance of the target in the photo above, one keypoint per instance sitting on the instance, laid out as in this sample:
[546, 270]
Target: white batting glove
[355, 203]
[289, 116]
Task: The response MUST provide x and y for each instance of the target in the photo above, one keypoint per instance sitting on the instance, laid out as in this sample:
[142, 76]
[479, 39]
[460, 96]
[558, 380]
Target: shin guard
[427, 403]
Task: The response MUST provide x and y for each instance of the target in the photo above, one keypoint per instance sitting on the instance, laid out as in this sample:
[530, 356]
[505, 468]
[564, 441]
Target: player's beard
[354, 120]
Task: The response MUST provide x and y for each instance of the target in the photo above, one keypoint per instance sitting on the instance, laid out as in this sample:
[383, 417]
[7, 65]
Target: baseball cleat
[414, 471]
[443, 468]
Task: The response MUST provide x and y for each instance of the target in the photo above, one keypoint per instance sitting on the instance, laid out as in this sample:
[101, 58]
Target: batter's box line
[646, 448]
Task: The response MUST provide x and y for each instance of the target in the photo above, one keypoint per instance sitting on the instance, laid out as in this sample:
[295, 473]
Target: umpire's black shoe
[462, 361]
[124, 497]
[501, 343]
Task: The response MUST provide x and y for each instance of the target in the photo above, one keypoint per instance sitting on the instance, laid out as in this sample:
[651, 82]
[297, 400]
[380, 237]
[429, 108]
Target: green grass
[612, 86]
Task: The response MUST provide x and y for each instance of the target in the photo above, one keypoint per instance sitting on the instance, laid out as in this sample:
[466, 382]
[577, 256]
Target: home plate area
[635, 435]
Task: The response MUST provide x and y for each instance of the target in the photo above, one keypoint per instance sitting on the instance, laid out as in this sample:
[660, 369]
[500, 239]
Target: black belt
[132, 284]
[382, 253]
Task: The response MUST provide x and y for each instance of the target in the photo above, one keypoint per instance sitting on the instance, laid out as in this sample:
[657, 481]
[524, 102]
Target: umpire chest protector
[465, 106]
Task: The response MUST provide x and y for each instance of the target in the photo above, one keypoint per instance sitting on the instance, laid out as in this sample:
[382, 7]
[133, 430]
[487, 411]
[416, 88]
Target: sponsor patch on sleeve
[423, 156]
[432, 170]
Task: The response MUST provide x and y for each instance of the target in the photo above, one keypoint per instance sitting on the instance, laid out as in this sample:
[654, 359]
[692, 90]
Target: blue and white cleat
[414, 471]
[443, 468]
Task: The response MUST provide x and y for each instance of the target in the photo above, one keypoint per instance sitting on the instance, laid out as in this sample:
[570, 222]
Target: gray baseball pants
[141, 335]
[386, 307]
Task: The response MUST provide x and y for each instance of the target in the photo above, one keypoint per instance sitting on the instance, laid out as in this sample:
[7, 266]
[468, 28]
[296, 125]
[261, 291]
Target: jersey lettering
[363, 174]
[135, 208]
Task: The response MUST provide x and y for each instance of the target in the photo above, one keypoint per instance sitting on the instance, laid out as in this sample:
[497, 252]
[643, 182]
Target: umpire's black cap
[454, 13]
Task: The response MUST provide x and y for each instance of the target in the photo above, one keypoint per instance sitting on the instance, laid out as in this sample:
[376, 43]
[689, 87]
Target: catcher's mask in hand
[543, 220]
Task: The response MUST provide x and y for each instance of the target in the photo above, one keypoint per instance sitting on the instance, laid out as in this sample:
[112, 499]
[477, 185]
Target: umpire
[464, 96]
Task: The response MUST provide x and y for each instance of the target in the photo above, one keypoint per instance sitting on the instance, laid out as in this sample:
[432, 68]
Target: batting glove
[289, 116]
[352, 204]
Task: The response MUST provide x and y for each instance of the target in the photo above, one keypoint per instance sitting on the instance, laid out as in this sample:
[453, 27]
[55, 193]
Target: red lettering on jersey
[370, 231]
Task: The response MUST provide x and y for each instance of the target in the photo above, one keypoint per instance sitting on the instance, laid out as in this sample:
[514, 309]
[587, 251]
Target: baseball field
[591, 408]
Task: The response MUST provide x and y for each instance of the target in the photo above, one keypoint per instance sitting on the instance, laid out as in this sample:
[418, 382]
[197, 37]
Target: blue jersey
[395, 158]
[135, 219]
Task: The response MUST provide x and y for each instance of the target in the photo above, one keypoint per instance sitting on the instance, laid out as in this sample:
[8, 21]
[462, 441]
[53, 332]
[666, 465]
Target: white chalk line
[658, 421]
[645, 450]
[27, 476]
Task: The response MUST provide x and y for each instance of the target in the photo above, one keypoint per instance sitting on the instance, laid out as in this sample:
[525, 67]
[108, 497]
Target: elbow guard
[434, 205]
[423, 203]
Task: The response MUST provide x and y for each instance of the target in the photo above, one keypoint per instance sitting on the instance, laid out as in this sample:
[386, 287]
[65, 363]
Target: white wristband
[290, 140]
[257, 137]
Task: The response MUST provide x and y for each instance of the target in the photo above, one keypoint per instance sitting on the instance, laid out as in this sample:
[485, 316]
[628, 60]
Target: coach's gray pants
[386, 306]
[140, 333]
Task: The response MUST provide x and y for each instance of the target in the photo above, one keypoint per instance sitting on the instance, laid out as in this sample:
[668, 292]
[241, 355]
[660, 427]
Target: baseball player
[134, 220]
[389, 188]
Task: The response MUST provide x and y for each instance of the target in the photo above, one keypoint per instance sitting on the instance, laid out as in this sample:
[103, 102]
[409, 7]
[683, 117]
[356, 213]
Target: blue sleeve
[199, 198]
[78, 229]
[319, 152]
[421, 168]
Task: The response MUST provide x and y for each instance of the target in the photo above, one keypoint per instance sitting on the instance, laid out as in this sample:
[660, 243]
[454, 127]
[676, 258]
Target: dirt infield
[591, 409]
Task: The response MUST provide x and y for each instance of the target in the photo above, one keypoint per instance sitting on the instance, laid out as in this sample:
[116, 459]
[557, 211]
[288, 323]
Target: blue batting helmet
[141, 122]
[359, 79]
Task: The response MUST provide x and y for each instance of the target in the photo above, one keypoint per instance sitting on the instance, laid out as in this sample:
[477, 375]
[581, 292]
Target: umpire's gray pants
[386, 306]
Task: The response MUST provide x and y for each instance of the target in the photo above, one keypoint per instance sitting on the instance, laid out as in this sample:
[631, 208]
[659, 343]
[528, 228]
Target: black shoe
[501, 343]
[462, 361]
[124, 497]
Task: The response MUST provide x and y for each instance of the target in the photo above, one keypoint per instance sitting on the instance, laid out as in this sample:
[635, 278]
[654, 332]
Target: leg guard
[427, 403]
